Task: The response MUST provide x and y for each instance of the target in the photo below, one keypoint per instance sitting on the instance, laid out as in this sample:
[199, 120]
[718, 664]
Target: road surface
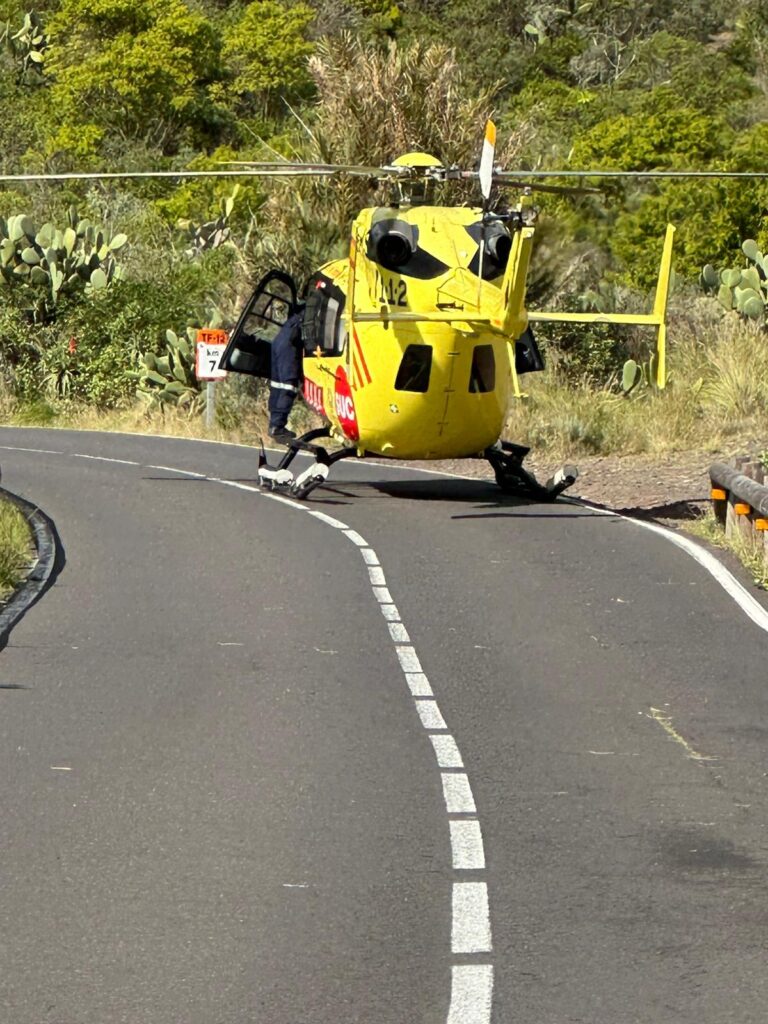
[432, 756]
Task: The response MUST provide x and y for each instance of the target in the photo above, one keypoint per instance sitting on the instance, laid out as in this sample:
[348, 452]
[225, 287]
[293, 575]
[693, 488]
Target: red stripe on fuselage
[359, 350]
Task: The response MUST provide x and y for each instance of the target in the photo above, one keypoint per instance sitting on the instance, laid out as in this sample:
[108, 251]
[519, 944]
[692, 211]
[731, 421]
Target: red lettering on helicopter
[313, 395]
[345, 406]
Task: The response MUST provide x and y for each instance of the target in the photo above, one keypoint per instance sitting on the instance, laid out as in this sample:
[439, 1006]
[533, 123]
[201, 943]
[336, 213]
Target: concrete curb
[32, 588]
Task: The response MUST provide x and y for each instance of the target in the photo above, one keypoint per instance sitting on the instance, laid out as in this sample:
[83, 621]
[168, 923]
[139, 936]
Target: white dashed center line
[471, 931]
[471, 984]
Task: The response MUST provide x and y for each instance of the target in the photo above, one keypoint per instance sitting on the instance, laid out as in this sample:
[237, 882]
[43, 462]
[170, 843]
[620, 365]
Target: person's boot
[282, 435]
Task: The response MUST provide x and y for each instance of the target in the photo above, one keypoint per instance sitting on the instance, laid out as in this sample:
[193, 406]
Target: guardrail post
[740, 499]
[731, 519]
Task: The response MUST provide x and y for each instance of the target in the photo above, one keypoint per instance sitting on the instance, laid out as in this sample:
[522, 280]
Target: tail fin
[657, 319]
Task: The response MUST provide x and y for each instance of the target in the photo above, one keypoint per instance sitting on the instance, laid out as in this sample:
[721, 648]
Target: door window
[482, 376]
[271, 304]
[415, 368]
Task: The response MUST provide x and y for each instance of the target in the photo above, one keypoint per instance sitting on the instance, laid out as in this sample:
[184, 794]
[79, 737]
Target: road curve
[432, 755]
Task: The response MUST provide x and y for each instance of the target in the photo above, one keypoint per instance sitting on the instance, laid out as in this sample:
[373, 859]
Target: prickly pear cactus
[634, 374]
[631, 376]
[27, 47]
[744, 290]
[49, 262]
[169, 378]
[214, 233]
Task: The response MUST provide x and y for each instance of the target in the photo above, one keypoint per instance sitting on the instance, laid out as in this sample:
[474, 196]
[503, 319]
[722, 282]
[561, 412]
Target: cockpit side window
[323, 325]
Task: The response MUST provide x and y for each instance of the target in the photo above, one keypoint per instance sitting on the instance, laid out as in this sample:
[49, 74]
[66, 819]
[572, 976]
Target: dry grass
[749, 554]
[238, 421]
[716, 398]
[16, 548]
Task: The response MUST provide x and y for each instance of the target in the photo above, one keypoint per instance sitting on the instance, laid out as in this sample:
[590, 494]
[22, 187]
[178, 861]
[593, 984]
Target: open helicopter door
[273, 301]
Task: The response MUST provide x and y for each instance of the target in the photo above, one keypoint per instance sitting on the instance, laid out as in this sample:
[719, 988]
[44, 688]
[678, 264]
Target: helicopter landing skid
[511, 476]
[280, 478]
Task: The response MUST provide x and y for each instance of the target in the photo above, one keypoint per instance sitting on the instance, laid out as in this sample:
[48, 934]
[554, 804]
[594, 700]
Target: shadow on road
[484, 495]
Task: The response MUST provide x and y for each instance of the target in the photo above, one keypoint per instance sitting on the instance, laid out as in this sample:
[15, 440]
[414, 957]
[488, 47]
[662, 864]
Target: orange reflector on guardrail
[718, 494]
[741, 508]
[761, 524]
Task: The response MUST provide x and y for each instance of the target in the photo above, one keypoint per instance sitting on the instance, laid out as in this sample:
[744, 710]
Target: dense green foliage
[145, 84]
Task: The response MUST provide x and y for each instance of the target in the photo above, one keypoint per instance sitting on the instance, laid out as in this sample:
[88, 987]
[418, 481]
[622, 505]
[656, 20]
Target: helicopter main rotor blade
[567, 190]
[247, 171]
[289, 168]
[632, 174]
[131, 175]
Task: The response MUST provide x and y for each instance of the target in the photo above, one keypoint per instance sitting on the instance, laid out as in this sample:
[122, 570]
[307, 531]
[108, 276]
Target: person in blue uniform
[285, 377]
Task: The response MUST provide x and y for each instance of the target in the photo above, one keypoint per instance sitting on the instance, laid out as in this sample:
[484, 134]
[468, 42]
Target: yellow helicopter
[413, 345]
[415, 342]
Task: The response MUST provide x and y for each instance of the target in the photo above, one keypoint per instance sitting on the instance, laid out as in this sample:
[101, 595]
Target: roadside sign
[208, 352]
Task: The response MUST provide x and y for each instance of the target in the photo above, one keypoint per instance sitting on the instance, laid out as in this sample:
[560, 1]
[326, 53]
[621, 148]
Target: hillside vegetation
[100, 282]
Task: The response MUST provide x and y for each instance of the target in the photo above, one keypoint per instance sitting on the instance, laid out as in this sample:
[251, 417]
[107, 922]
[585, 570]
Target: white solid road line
[751, 608]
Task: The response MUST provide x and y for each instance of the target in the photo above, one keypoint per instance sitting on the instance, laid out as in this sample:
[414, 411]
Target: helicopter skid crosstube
[281, 478]
[505, 458]
[511, 476]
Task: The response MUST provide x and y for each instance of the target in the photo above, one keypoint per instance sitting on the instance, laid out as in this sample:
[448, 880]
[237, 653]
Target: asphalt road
[235, 792]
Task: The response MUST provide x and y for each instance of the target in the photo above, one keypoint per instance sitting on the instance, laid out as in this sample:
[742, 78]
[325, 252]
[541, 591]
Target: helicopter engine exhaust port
[392, 243]
[498, 247]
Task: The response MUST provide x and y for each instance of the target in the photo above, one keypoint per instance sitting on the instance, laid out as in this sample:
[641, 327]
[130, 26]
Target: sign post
[208, 352]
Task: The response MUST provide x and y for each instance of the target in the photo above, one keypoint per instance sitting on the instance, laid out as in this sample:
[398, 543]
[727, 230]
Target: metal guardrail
[740, 500]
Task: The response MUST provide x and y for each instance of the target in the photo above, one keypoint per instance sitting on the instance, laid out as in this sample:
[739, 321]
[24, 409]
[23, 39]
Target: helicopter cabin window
[323, 325]
[415, 368]
[482, 376]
